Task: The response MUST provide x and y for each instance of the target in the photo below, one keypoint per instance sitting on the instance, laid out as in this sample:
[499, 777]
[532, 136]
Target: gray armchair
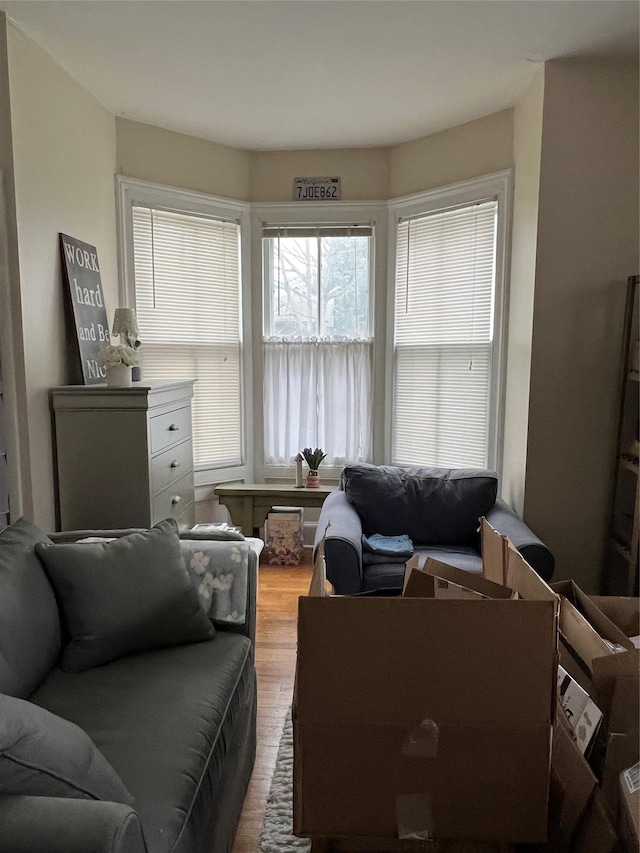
[437, 508]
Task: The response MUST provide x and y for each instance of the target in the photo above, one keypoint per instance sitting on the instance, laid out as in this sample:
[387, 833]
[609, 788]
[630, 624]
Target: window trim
[374, 213]
[498, 186]
[131, 192]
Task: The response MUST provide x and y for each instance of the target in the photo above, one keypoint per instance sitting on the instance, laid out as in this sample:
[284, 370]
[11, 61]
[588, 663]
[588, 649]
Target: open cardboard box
[580, 818]
[426, 718]
[596, 643]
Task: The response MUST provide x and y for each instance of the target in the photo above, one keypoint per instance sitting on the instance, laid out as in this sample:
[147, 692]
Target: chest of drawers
[124, 456]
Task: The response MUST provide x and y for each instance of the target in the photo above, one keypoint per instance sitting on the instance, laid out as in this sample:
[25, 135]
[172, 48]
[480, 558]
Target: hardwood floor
[278, 592]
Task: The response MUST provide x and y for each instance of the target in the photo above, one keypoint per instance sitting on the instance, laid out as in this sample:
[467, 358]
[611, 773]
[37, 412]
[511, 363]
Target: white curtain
[317, 393]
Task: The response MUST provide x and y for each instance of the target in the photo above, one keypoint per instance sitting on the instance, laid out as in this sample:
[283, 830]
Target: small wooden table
[250, 503]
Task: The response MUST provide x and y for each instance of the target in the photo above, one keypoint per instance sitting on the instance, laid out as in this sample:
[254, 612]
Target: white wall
[364, 172]
[164, 157]
[11, 350]
[527, 146]
[64, 163]
[587, 246]
[467, 151]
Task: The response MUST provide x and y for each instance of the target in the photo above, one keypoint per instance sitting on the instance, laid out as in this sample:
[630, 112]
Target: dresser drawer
[172, 502]
[169, 428]
[187, 518]
[171, 465]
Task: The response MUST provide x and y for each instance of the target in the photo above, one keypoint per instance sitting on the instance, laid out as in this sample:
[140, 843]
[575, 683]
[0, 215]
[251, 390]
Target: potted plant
[313, 458]
[118, 361]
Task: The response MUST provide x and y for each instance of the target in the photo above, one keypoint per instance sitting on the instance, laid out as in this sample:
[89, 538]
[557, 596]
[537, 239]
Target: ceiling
[292, 74]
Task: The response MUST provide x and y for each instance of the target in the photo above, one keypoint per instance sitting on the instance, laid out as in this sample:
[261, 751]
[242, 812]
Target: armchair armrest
[65, 825]
[343, 544]
[508, 522]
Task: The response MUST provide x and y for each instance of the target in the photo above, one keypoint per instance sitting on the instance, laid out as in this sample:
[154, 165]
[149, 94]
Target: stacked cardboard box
[432, 718]
[598, 641]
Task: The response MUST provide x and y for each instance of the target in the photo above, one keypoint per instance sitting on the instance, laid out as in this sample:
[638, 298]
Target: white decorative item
[118, 376]
[299, 483]
[125, 326]
[117, 362]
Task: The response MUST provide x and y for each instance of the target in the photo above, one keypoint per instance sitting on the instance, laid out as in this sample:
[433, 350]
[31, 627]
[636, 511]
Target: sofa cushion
[166, 720]
[433, 506]
[124, 596]
[43, 755]
[30, 639]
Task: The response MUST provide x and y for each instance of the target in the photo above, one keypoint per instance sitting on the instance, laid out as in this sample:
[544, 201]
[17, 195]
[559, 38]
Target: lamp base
[136, 373]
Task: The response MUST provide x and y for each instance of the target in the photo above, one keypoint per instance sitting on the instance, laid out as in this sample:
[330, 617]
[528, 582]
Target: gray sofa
[438, 509]
[127, 691]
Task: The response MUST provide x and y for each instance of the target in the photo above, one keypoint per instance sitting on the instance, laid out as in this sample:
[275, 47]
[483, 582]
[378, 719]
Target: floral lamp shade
[125, 324]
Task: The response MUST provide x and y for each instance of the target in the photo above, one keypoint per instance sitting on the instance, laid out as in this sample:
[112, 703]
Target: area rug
[277, 833]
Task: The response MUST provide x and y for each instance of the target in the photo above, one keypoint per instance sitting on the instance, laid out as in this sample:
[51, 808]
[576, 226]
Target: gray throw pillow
[30, 638]
[42, 755]
[122, 597]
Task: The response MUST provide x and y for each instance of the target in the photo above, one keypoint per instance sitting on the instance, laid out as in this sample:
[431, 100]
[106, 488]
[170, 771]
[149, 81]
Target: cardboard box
[595, 832]
[629, 823]
[284, 539]
[600, 635]
[580, 710]
[572, 785]
[439, 580]
[622, 611]
[599, 647]
[424, 718]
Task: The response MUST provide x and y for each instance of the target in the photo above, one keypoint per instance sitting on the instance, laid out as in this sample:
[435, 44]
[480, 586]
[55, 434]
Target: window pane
[318, 286]
[294, 286]
[345, 286]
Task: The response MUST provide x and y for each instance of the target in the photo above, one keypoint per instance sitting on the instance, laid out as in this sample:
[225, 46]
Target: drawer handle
[175, 463]
[175, 500]
[174, 428]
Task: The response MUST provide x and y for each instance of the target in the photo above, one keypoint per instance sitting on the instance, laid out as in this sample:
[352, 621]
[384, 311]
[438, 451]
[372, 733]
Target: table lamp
[125, 325]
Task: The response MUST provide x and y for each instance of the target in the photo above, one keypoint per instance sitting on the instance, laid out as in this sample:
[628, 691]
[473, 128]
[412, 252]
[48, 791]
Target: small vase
[313, 481]
[119, 376]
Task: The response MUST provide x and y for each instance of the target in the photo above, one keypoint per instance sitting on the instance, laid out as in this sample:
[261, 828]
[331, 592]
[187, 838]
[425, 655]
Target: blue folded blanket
[391, 546]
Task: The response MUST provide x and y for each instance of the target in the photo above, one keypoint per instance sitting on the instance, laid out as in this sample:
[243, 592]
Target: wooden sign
[82, 277]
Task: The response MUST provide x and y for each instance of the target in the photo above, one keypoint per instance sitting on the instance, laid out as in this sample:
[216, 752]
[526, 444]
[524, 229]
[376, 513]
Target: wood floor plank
[276, 635]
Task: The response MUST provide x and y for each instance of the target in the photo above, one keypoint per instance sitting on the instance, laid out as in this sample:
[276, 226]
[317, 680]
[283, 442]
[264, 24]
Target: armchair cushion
[433, 506]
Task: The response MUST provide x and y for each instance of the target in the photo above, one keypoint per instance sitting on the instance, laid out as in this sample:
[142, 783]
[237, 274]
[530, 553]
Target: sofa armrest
[343, 544]
[508, 522]
[65, 825]
[248, 581]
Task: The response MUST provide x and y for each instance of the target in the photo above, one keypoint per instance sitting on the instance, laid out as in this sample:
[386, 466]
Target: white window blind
[187, 300]
[444, 325]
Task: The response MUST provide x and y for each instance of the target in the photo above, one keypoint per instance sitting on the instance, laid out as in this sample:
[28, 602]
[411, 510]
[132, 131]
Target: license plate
[316, 189]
